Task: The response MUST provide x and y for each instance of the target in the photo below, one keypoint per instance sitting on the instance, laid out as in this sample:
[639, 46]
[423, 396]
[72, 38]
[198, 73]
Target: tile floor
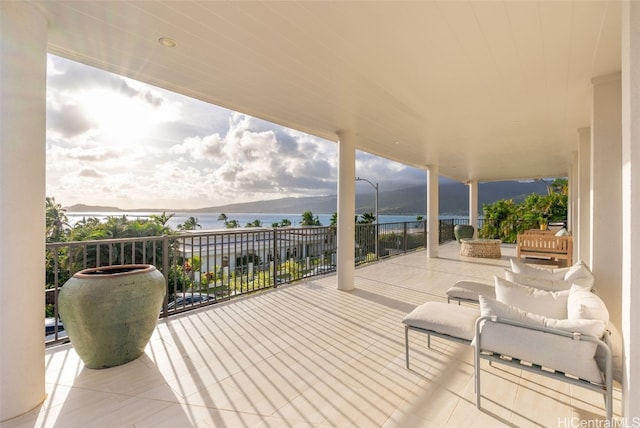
[308, 355]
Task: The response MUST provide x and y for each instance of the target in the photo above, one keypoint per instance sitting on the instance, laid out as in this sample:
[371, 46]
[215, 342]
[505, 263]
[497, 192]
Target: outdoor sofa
[547, 321]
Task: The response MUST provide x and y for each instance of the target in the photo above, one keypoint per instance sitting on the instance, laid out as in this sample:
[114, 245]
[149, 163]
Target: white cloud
[263, 160]
[90, 172]
[117, 142]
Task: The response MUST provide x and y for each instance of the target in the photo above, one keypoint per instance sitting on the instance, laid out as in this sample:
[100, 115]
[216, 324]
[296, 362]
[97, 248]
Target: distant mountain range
[454, 200]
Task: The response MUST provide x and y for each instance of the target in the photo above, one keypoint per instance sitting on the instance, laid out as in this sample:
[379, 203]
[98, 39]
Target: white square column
[473, 205]
[433, 212]
[23, 71]
[606, 193]
[582, 229]
[573, 197]
[631, 208]
[346, 211]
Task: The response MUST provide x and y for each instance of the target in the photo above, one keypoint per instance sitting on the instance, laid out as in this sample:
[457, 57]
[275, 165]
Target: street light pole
[376, 222]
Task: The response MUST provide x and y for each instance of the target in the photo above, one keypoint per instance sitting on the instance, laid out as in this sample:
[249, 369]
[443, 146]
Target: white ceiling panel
[487, 90]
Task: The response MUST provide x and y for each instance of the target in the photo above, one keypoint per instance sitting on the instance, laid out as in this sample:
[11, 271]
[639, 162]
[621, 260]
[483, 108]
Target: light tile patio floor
[308, 355]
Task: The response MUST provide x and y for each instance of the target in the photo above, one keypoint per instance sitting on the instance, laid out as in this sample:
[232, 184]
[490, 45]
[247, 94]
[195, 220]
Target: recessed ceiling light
[167, 42]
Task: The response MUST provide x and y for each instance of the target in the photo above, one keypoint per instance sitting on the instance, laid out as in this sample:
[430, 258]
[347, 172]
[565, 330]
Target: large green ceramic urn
[110, 312]
[463, 231]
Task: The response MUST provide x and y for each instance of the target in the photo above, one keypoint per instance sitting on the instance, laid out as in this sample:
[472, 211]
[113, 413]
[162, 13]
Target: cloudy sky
[113, 141]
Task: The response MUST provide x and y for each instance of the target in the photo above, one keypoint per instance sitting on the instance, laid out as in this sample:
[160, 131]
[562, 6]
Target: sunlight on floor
[308, 355]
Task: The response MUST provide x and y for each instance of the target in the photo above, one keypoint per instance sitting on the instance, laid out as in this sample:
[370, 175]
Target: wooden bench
[545, 245]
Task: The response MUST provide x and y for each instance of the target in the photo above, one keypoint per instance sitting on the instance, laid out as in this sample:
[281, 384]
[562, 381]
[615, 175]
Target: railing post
[377, 238]
[424, 231]
[275, 257]
[406, 236]
[165, 272]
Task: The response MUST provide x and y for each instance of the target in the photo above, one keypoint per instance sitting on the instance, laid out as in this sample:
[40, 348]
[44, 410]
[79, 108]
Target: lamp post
[376, 222]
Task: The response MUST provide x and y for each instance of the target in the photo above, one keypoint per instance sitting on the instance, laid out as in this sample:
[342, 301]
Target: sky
[113, 141]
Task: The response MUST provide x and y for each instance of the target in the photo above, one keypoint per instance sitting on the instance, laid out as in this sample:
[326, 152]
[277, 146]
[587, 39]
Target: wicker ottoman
[487, 248]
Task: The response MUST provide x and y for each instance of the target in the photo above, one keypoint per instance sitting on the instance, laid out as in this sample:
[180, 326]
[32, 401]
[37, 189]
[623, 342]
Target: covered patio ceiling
[486, 90]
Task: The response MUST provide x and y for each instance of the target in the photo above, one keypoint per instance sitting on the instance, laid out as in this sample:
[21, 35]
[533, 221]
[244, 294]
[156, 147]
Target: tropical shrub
[504, 219]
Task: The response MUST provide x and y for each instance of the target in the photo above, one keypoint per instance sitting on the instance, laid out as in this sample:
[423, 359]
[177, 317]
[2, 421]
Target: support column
[346, 210]
[473, 205]
[582, 229]
[631, 209]
[23, 71]
[573, 201]
[433, 212]
[606, 191]
[572, 197]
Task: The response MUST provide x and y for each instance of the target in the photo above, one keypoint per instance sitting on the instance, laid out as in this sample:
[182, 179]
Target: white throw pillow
[583, 304]
[537, 282]
[558, 352]
[579, 271]
[493, 307]
[539, 272]
[552, 304]
[563, 232]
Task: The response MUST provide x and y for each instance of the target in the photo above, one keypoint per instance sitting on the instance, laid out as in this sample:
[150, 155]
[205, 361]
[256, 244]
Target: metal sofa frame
[606, 388]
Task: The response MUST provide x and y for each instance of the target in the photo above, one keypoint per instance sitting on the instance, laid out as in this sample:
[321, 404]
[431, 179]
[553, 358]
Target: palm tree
[115, 226]
[231, 224]
[284, 223]
[561, 186]
[367, 218]
[254, 223]
[222, 217]
[334, 219]
[57, 222]
[161, 219]
[190, 224]
[558, 185]
[309, 220]
[87, 222]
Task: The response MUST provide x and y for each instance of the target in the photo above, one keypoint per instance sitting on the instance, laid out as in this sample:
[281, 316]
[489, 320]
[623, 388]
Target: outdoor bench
[539, 245]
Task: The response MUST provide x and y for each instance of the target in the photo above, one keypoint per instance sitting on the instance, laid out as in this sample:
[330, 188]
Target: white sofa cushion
[584, 304]
[453, 320]
[548, 350]
[538, 272]
[470, 290]
[552, 304]
[548, 284]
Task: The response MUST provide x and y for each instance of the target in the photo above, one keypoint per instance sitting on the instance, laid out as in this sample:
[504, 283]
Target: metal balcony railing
[202, 268]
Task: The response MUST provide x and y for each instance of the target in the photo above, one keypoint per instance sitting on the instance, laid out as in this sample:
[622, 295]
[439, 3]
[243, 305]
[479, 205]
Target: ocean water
[210, 220]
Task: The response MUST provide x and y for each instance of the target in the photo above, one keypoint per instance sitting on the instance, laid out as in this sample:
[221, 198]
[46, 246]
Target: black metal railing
[399, 238]
[202, 268]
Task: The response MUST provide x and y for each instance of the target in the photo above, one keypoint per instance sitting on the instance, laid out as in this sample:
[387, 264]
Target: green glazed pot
[110, 312]
[463, 231]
